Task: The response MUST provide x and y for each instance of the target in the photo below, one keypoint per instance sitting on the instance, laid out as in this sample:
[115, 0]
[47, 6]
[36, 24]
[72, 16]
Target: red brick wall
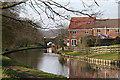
[111, 33]
[82, 33]
[93, 32]
[78, 35]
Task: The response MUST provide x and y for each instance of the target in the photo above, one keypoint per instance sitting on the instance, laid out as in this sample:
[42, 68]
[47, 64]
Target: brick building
[88, 26]
[107, 27]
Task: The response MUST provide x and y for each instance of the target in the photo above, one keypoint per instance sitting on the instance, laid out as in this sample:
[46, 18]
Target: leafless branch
[96, 3]
[60, 6]
[22, 21]
[11, 5]
[47, 7]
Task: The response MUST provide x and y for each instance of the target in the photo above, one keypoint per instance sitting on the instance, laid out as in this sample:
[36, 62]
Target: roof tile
[81, 23]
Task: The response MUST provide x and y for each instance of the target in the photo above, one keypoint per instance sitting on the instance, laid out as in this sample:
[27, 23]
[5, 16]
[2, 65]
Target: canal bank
[103, 59]
[40, 59]
[13, 69]
[23, 48]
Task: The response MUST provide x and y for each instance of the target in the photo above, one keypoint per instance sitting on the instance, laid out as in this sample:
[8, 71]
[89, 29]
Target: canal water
[54, 63]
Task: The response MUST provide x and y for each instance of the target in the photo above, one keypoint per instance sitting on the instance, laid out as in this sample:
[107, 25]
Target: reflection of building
[49, 50]
[85, 70]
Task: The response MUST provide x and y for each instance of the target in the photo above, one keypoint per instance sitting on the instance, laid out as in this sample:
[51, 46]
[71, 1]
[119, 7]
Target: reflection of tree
[28, 57]
[64, 69]
[62, 60]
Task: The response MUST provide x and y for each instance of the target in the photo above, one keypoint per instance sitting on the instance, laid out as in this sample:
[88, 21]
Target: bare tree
[51, 8]
[60, 38]
[17, 32]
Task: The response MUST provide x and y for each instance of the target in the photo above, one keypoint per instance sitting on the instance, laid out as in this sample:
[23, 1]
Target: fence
[96, 61]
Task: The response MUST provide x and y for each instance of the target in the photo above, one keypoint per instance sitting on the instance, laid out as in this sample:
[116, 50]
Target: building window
[74, 32]
[117, 31]
[74, 41]
[108, 30]
[88, 22]
[68, 41]
[86, 32]
[98, 31]
[75, 22]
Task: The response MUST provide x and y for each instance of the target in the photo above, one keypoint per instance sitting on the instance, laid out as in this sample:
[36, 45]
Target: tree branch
[22, 21]
[60, 6]
[96, 3]
[11, 5]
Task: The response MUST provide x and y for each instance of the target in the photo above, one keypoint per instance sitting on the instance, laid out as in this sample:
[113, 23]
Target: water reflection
[27, 57]
[50, 63]
[49, 50]
[56, 64]
[80, 69]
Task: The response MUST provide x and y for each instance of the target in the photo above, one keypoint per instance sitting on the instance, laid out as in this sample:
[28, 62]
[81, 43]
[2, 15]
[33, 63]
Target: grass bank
[72, 53]
[105, 56]
[10, 73]
[22, 48]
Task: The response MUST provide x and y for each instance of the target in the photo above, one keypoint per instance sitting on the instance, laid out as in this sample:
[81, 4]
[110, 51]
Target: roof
[108, 23]
[81, 23]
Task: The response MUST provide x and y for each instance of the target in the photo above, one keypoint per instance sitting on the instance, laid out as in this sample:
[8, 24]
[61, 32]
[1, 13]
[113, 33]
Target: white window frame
[68, 40]
[73, 43]
[74, 33]
[86, 32]
[98, 30]
[117, 30]
[108, 30]
[68, 43]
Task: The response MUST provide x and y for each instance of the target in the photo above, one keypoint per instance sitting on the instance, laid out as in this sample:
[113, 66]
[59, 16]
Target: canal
[56, 64]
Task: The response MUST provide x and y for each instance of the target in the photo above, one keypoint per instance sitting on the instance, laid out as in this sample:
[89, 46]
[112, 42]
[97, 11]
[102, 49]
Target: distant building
[90, 26]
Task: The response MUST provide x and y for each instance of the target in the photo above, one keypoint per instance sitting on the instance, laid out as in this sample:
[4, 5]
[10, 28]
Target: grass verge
[105, 56]
[22, 48]
[8, 73]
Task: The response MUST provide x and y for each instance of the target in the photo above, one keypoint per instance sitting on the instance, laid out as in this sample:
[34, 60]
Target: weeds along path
[24, 73]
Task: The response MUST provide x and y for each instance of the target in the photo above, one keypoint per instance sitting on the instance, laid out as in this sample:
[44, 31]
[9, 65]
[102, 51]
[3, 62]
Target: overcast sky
[108, 7]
